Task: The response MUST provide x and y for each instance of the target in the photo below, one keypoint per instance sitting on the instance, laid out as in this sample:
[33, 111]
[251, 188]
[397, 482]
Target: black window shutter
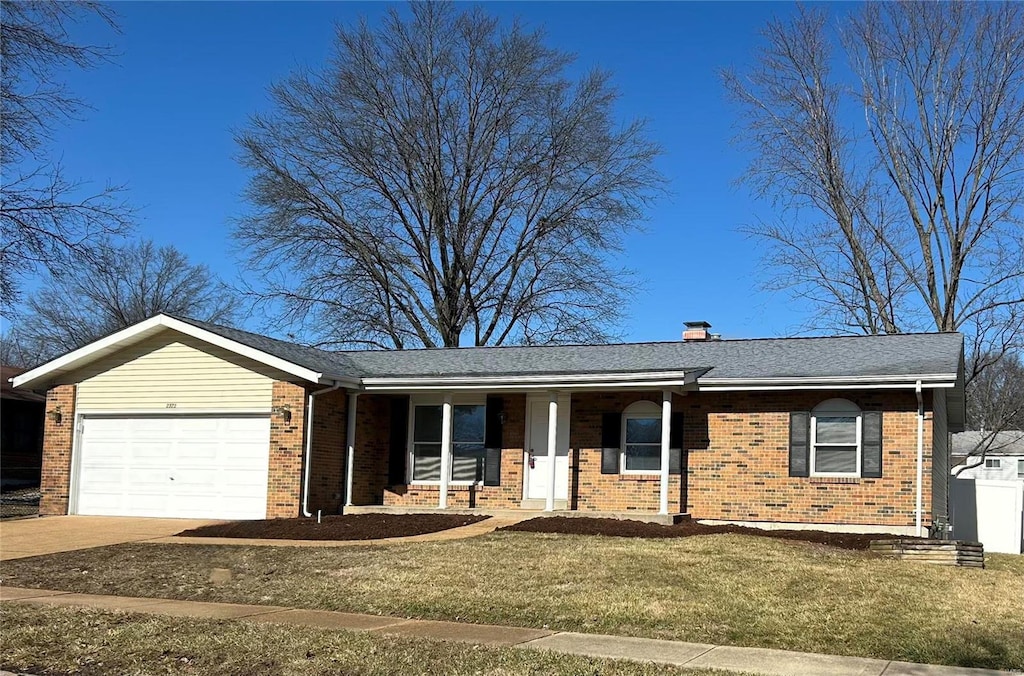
[609, 461]
[398, 451]
[611, 430]
[492, 434]
[675, 439]
[871, 445]
[675, 443]
[611, 439]
[799, 443]
[675, 461]
[492, 467]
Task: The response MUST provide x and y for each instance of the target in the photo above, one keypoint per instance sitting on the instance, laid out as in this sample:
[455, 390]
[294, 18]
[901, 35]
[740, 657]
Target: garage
[185, 466]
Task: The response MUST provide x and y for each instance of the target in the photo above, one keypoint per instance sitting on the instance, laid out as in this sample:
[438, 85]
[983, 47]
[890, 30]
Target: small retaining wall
[938, 552]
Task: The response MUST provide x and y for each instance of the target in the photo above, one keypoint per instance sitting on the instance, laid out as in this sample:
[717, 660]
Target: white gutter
[920, 457]
[309, 447]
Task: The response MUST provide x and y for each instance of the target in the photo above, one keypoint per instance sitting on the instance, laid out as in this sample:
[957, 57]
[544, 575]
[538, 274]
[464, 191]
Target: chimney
[696, 332]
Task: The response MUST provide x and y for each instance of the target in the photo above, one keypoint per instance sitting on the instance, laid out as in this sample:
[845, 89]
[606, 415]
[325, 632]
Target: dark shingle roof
[1009, 442]
[768, 358]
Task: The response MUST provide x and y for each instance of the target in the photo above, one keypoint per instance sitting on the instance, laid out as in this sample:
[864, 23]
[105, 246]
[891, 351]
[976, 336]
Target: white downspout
[350, 445]
[920, 456]
[309, 447]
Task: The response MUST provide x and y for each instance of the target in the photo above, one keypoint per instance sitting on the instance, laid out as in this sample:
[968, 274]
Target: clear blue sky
[188, 74]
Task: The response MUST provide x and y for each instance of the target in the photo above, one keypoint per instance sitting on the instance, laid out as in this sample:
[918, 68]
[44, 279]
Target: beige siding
[940, 457]
[175, 371]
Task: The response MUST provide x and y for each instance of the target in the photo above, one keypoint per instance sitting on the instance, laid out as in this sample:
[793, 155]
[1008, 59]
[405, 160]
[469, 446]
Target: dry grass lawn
[75, 641]
[728, 589]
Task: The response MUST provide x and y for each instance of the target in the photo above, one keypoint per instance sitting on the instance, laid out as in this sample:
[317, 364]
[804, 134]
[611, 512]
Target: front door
[538, 471]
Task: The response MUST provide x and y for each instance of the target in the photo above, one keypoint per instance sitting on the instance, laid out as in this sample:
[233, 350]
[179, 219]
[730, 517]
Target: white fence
[989, 511]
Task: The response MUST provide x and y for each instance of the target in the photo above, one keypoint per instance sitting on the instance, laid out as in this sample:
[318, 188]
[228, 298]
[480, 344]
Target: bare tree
[443, 180]
[45, 217]
[123, 286]
[898, 167]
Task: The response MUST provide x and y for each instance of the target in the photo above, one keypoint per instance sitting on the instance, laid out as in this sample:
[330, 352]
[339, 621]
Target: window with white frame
[641, 438]
[468, 452]
[992, 463]
[836, 438]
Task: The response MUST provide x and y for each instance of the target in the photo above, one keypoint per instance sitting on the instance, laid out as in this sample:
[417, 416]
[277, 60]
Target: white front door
[538, 468]
[174, 466]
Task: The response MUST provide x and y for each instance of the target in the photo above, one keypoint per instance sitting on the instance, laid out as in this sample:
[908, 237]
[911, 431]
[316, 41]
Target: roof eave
[553, 381]
[930, 381]
[98, 349]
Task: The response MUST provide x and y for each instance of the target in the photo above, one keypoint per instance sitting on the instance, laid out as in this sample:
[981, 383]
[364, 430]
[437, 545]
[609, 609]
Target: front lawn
[728, 589]
[77, 641]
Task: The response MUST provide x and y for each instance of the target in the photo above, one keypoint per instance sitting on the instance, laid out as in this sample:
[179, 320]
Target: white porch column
[666, 435]
[552, 450]
[350, 446]
[446, 451]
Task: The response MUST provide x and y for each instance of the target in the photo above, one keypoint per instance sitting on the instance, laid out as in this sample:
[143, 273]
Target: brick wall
[612, 492]
[737, 456]
[326, 481]
[57, 444]
[284, 482]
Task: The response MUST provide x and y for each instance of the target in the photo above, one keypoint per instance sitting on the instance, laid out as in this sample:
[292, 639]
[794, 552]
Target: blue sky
[188, 74]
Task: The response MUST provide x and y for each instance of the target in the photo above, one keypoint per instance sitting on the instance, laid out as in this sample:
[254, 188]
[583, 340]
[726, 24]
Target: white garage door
[174, 466]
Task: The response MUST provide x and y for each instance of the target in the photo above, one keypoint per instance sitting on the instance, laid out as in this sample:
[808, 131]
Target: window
[1020, 468]
[992, 463]
[641, 438]
[468, 450]
[836, 439]
[426, 443]
[468, 426]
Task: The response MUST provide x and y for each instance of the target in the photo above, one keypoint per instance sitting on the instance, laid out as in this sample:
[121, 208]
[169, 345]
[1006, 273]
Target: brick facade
[284, 481]
[58, 440]
[736, 457]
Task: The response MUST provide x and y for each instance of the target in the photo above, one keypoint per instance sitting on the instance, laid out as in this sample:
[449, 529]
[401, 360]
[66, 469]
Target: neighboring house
[987, 492]
[174, 417]
[1003, 457]
[21, 432]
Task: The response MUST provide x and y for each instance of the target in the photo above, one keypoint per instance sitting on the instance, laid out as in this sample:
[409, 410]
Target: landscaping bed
[640, 529]
[348, 527]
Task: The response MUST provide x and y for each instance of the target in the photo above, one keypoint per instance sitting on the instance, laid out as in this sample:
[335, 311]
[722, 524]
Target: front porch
[616, 453]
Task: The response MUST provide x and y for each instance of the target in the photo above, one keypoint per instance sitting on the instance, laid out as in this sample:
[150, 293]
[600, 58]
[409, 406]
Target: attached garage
[175, 418]
[173, 466]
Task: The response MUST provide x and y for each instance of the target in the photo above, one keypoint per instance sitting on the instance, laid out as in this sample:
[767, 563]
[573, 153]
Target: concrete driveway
[52, 534]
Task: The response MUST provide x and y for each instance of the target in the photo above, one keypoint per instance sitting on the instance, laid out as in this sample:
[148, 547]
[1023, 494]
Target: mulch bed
[349, 527]
[640, 529]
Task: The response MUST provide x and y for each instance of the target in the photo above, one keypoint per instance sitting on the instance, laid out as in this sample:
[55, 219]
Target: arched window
[836, 431]
[641, 438]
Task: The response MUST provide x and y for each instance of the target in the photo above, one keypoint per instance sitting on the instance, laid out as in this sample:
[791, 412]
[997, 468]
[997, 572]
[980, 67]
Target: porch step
[540, 504]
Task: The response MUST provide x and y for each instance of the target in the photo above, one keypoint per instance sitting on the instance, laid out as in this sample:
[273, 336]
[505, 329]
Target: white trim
[198, 412]
[78, 421]
[930, 381]
[919, 511]
[641, 410]
[843, 408]
[648, 380]
[421, 400]
[104, 346]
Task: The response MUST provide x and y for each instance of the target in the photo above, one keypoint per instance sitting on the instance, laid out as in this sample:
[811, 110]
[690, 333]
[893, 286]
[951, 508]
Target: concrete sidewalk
[726, 658]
